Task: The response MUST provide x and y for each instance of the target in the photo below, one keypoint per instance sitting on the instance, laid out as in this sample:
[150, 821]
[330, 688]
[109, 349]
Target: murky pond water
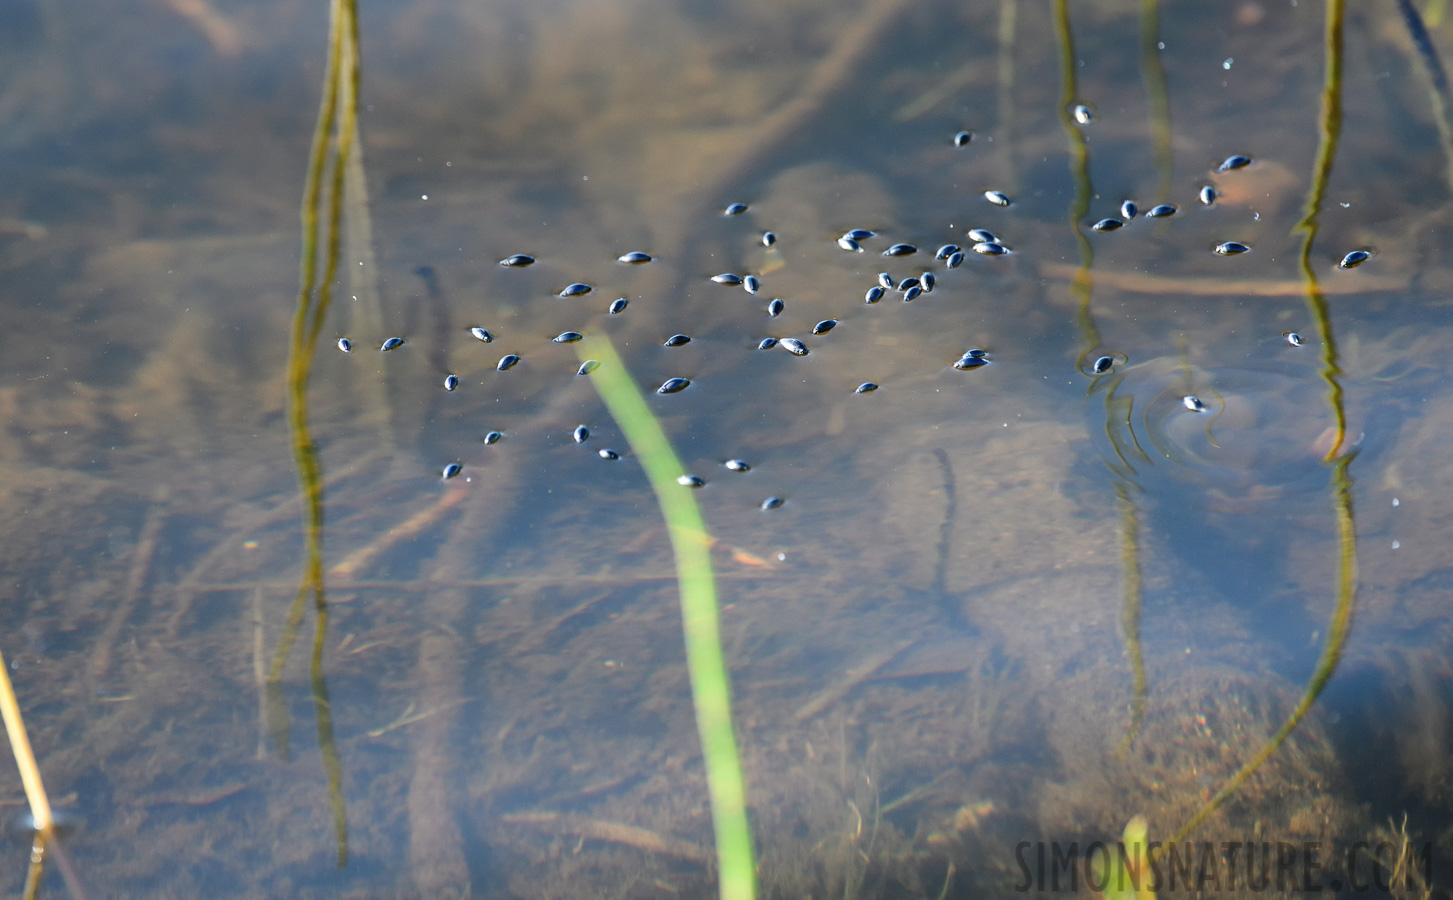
[935, 638]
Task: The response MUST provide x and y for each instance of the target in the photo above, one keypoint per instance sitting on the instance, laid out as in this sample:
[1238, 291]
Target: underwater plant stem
[337, 125]
[24, 756]
[705, 664]
[1131, 607]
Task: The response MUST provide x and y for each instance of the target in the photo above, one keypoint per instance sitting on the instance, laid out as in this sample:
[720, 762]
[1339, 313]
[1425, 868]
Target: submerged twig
[860, 673]
[611, 832]
[141, 558]
[1143, 283]
[411, 527]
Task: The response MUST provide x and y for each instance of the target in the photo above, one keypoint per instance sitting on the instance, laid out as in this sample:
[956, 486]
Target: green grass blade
[710, 687]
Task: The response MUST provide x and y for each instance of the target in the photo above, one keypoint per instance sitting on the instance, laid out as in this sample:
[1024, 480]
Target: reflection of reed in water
[1340, 622]
[1167, 437]
[337, 129]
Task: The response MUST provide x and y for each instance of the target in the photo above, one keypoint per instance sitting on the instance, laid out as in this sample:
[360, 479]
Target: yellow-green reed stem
[1130, 608]
[1152, 74]
[1341, 622]
[24, 757]
[1337, 631]
[337, 125]
[706, 667]
[1329, 131]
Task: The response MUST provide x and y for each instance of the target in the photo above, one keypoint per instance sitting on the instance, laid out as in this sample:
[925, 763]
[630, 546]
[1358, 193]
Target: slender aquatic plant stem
[705, 664]
[1130, 608]
[336, 126]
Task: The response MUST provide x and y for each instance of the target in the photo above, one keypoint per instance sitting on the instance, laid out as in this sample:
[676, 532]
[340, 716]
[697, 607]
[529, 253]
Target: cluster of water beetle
[981, 241]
